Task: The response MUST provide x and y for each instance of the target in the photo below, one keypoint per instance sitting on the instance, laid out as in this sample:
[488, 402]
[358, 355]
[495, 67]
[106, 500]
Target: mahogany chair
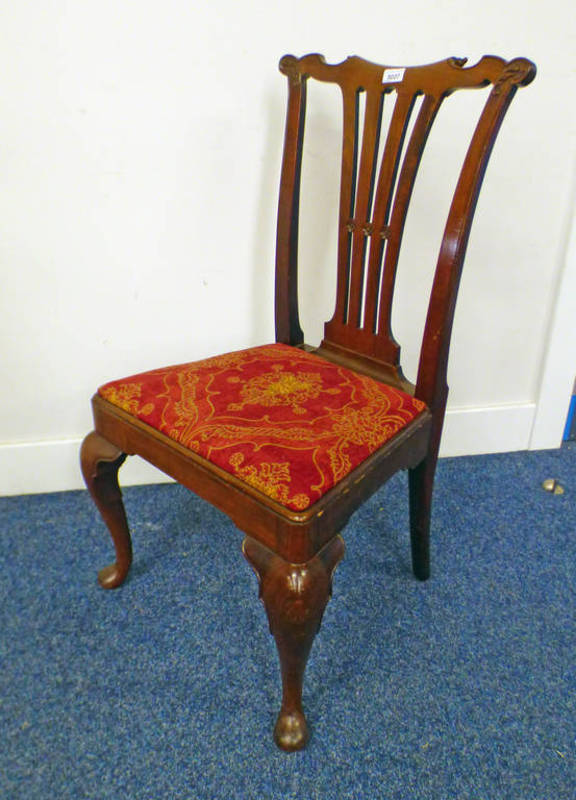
[289, 440]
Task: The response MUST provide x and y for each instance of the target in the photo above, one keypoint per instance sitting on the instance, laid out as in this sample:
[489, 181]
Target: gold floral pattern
[280, 388]
[286, 422]
[125, 396]
[271, 479]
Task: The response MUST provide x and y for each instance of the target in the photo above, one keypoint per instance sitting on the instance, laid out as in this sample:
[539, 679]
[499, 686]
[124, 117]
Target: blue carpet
[462, 687]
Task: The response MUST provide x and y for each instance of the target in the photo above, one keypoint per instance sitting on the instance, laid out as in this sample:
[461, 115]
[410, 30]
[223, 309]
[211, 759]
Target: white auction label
[393, 75]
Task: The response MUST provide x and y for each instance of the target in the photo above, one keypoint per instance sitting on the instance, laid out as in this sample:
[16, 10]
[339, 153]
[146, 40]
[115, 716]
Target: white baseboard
[493, 429]
[34, 467]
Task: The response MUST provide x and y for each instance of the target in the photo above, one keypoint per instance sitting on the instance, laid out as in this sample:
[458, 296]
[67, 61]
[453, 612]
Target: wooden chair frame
[295, 553]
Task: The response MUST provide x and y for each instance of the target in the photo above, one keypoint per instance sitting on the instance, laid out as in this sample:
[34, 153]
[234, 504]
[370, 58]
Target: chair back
[378, 172]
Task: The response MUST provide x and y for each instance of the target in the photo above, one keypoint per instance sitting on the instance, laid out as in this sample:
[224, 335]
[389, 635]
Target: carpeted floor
[462, 687]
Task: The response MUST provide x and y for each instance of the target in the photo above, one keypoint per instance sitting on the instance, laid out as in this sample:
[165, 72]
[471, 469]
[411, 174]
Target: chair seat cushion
[285, 421]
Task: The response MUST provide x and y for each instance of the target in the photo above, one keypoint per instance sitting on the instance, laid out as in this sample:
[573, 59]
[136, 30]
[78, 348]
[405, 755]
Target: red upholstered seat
[283, 420]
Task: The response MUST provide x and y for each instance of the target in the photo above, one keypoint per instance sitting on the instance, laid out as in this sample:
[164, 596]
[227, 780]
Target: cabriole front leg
[295, 596]
[101, 461]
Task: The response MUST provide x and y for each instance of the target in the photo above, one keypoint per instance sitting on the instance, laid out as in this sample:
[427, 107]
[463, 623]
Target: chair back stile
[375, 192]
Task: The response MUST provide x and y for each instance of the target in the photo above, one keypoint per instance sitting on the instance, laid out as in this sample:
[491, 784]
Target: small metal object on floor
[553, 486]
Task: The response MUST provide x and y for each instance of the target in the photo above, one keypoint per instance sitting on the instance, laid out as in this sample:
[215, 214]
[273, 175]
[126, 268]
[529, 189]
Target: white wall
[139, 159]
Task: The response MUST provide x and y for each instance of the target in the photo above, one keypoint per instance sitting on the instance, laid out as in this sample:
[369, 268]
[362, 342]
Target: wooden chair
[289, 440]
